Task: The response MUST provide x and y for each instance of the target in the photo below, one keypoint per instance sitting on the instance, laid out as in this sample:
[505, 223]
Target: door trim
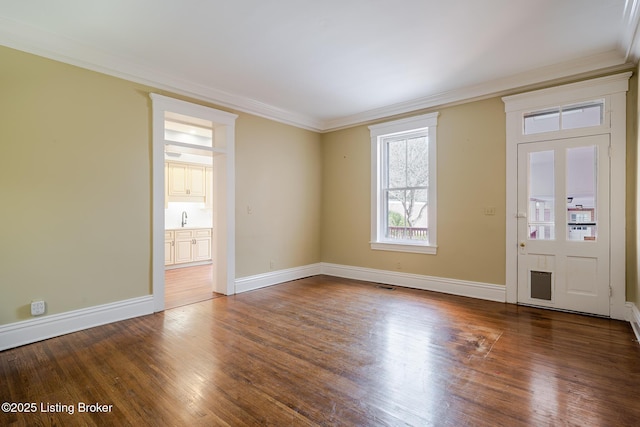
[613, 89]
[224, 217]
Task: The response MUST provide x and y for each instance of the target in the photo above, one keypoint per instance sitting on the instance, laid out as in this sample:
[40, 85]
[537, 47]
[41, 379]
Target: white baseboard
[634, 318]
[38, 329]
[33, 330]
[485, 291]
[42, 328]
[465, 288]
[258, 281]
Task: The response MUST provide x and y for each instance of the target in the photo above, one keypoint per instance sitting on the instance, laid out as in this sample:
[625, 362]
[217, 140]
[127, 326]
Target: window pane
[565, 117]
[541, 218]
[542, 121]
[581, 193]
[396, 219]
[407, 215]
[397, 163]
[417, 209]
[582, 116]
[417, 162]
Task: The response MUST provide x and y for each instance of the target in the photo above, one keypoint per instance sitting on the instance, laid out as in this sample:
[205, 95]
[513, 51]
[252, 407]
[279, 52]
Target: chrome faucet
[184, 218]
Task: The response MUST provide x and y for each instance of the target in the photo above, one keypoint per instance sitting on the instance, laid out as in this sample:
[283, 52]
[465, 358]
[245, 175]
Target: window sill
[404, 247]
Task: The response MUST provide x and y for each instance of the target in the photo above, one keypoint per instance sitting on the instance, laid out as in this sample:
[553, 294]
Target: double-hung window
[403, 183]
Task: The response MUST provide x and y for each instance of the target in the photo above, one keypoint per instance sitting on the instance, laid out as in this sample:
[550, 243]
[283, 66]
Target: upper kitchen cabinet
[186, 182]
[188, 155]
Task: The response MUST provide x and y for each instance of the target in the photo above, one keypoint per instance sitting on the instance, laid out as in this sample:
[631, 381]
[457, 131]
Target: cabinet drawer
[183, 234]
[168, 235]
[204, 232]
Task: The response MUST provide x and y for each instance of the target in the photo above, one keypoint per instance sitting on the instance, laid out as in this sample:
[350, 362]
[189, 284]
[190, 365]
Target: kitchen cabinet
[168, 247]
[185, 182]
[202, 244]
[184, 246]
[190, 245]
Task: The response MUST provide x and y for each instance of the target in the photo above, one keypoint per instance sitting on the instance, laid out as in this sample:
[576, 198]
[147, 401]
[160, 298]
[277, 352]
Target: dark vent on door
[541, 285]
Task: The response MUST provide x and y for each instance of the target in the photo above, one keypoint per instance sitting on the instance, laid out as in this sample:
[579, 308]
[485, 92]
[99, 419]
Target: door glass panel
[582, 163]
[541, 216]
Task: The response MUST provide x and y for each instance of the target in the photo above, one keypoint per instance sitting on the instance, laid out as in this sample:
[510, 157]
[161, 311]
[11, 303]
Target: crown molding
[48, 45]
[38, 42]
[629, 39]
[610, 61]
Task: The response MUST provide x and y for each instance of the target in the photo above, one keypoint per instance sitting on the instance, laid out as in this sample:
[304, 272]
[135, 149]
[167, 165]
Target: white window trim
[379, 131]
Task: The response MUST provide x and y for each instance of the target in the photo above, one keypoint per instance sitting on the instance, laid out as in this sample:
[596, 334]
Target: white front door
[563, 224]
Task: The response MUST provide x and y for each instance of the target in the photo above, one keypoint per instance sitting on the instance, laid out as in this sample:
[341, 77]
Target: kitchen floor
[188, 285]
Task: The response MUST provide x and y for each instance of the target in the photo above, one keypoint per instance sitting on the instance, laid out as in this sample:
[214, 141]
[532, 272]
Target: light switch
[490, 210]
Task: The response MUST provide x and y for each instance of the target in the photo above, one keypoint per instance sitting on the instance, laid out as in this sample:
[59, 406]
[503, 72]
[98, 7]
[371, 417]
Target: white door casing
[612, 89]
[223, 238]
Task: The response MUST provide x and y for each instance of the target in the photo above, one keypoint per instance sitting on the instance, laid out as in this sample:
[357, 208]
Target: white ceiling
[327, 64]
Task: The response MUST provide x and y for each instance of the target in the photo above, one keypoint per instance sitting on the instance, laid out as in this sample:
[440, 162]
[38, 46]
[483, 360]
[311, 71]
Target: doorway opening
[193, 200]
[188, 241]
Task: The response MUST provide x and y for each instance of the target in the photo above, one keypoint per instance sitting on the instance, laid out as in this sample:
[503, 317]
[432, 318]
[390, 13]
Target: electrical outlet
[272, 265]
[37, 308]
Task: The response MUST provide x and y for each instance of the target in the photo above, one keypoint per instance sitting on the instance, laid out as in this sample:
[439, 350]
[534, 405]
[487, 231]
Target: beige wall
[75, 189]
[75, 185]
[471, 176]
[278, 194]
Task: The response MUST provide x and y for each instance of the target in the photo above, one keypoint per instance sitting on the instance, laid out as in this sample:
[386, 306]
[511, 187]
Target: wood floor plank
[325, 351]
[188, 285]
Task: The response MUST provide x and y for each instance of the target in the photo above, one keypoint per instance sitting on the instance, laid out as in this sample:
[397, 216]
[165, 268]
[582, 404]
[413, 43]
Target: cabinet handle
[188, 191]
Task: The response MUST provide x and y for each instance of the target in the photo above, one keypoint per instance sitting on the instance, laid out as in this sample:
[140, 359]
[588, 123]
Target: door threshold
[563, 310]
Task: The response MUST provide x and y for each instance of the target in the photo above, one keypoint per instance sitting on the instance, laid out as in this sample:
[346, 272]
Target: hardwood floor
[325, 351]
[188, 285]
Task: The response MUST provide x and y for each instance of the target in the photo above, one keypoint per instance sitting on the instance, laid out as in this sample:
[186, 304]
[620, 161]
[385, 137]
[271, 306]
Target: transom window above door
[574, 116]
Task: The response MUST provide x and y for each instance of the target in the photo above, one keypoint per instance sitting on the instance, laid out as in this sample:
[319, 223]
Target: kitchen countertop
[187, 228]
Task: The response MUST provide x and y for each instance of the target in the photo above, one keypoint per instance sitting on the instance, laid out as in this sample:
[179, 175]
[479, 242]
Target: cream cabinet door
[178, 181]
[168, 248]
[185, 182]
[183, 246]
[196, 177]
[202, 245]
